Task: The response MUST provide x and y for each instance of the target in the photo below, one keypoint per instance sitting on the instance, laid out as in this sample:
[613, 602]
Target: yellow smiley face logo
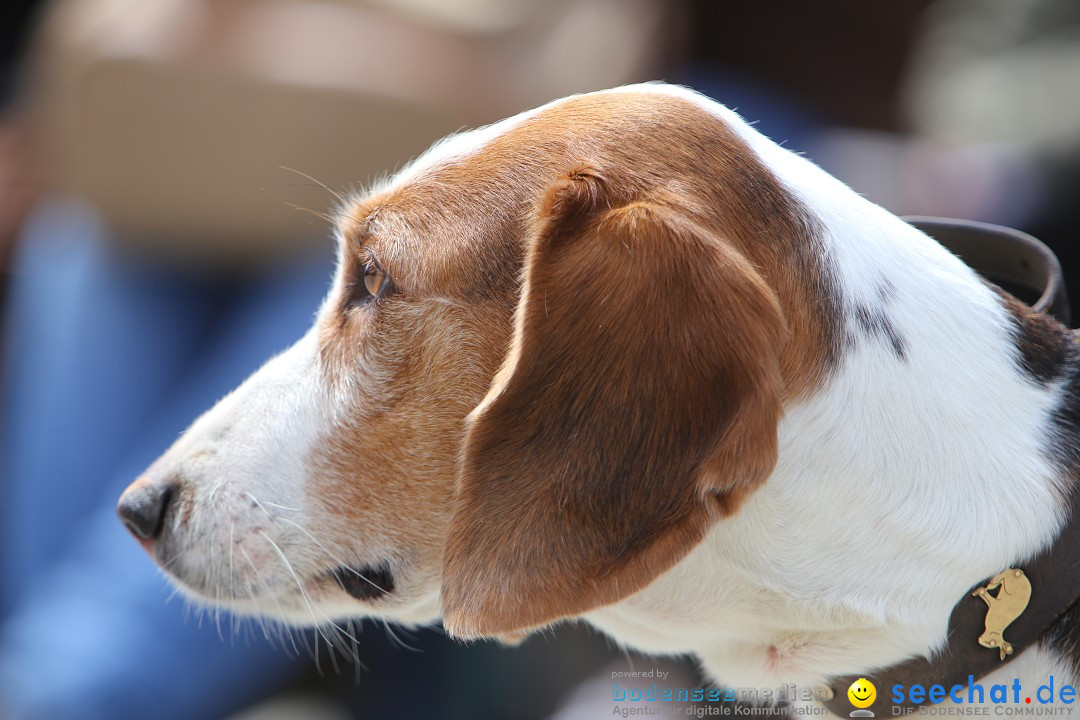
[862, 693]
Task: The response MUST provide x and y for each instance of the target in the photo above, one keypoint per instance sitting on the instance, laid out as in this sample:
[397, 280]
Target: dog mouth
[367, 583]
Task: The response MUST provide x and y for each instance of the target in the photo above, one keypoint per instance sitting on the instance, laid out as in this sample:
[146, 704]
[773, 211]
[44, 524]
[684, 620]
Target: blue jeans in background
[107, 361]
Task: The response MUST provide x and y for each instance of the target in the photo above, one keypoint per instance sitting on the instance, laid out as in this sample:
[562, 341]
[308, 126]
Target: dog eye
[374, 280]
[373, 285]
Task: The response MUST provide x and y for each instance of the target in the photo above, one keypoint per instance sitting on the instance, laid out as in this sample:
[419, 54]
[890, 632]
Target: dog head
[554, 354]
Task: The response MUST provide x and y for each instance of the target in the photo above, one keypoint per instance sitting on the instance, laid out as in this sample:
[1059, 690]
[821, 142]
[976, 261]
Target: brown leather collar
[1010, 258]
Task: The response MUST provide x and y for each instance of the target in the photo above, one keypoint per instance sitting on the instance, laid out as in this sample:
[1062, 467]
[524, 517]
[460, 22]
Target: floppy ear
[638, 404]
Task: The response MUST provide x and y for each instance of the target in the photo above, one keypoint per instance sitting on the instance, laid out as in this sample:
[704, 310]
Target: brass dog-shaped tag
[1010, 602]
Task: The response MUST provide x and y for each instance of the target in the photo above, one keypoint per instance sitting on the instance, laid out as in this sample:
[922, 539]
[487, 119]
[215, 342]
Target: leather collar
[1022, 265]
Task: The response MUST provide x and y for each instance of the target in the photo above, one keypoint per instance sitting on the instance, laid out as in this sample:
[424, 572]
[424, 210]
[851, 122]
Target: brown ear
[639, 403]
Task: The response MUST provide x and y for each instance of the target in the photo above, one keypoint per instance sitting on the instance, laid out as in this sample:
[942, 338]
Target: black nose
[143, 509]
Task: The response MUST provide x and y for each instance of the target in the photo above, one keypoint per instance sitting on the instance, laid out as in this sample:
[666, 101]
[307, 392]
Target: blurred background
[156, 161]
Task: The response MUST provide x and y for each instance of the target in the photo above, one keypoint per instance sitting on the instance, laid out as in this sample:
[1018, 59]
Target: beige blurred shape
[294, 707]
[175, 117]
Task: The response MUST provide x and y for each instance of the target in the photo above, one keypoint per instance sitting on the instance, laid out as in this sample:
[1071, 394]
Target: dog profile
[1014, 590]
[623, 358]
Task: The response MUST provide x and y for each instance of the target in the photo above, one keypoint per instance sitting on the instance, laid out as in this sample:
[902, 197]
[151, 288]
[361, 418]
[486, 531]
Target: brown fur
[675, 295]
[623, 427]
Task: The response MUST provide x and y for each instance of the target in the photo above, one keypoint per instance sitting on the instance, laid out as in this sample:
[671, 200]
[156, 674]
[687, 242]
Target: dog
[1006, 606]
[624, 359]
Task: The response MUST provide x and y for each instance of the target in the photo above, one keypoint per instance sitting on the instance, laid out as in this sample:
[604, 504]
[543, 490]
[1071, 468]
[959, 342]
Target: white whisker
[331, 555]
[280, 507]
[399, 641]
[272, 596]
[299, 585]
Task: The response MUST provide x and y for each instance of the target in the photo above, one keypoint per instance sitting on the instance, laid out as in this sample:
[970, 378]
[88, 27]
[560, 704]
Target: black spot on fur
[1046, 347]
[367, 583]
[886, 291]
[874, 323]
[1067, 421]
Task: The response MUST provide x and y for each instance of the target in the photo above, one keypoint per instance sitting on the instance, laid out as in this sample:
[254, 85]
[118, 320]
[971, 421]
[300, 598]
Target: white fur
[939, 459]
[900, 482]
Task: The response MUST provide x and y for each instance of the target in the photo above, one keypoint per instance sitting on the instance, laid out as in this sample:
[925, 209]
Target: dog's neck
[904, 480]
[929, 459]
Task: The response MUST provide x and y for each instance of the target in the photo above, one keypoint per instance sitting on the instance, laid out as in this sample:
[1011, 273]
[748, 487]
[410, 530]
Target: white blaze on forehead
[463, 144]
[453, 147]
[460, 145]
